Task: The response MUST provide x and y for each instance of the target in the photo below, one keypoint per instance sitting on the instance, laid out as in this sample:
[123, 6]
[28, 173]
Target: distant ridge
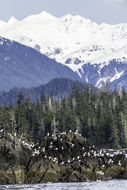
[58, 88]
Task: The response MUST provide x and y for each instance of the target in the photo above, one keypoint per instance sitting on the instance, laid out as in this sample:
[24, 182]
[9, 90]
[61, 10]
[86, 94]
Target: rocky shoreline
[63, 158]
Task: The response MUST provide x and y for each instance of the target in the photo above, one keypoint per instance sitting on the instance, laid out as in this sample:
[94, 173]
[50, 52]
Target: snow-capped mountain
[97, 52]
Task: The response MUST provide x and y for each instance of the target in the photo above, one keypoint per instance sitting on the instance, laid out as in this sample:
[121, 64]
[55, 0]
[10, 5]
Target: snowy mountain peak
[43, 16]
[46, 14]
[73, 41]
[12, 20]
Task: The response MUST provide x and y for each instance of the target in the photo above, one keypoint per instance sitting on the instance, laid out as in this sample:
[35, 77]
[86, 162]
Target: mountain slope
[22, 66]
[77, 42]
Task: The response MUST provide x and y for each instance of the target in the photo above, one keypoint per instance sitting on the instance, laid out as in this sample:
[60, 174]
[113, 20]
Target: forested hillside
[58, 88]
[99, 116]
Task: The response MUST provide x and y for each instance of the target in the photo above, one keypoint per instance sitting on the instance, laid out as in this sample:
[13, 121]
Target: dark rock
[64, 158]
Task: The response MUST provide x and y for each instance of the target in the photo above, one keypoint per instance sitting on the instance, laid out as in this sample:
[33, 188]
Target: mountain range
[22, 66]
[97, 52]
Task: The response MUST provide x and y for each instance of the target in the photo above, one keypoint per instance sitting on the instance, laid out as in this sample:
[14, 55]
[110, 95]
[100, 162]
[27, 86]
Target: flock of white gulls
[81, 155]
[92, 153]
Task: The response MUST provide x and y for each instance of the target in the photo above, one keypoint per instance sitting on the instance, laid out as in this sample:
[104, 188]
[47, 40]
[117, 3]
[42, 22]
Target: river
[109, 185]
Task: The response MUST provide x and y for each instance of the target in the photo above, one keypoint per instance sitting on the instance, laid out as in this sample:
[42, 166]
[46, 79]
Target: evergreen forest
[98, 115]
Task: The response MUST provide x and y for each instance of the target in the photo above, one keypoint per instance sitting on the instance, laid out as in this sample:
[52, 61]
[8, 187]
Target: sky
[99, 11]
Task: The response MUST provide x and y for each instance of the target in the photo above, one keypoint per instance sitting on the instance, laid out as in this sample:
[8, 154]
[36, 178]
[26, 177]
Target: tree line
[98, 115]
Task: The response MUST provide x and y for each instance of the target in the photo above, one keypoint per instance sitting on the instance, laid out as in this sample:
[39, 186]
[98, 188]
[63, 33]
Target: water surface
[110, 185]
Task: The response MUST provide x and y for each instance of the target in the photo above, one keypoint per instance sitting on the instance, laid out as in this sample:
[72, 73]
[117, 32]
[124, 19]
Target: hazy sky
[109, 11]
